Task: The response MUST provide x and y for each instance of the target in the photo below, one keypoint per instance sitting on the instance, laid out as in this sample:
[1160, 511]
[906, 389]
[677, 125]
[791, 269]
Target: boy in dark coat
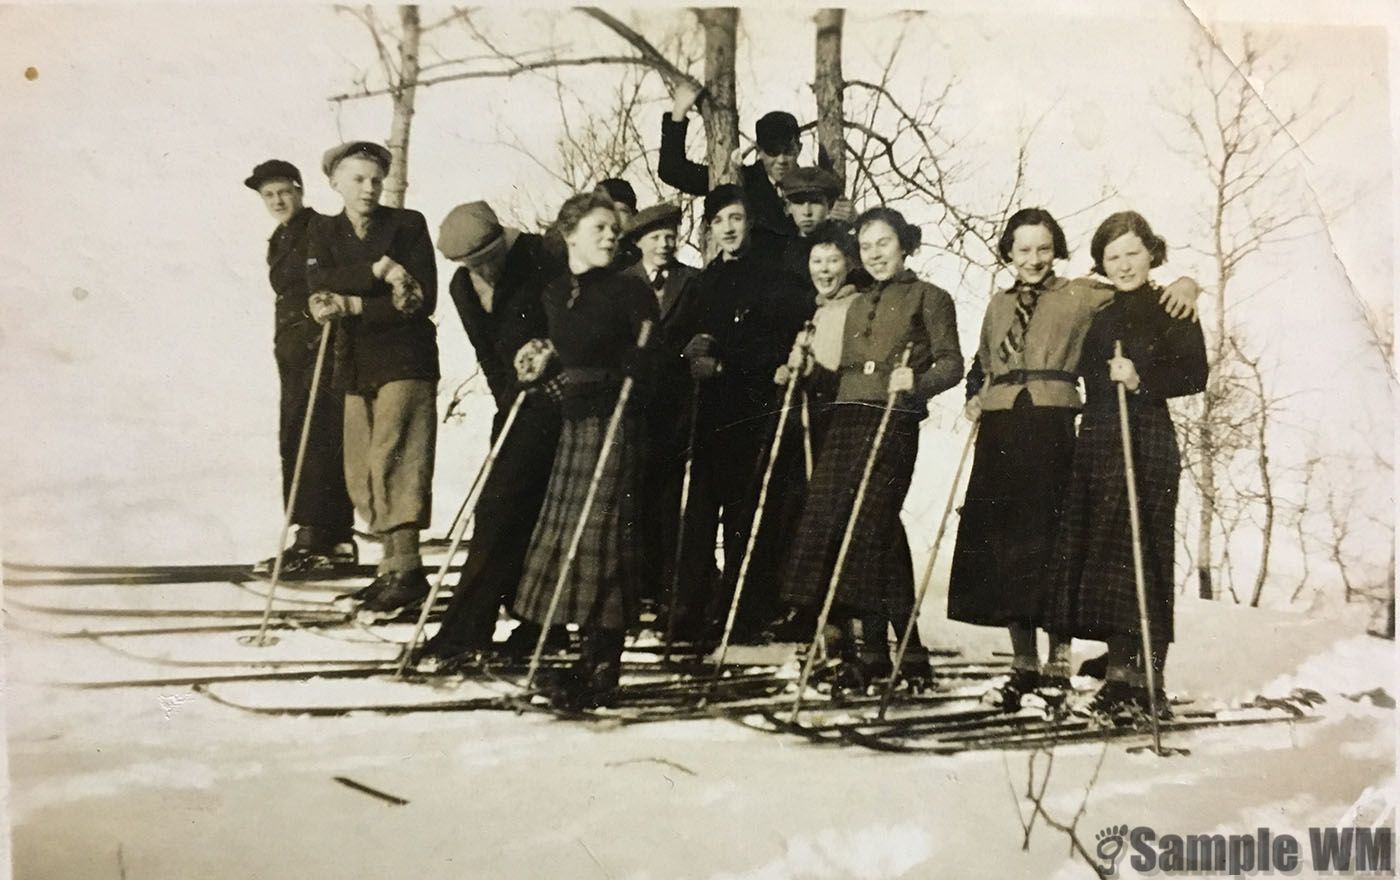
[322, 512]
[372, 269]
[653, 233]
[776, 136]
[497, 295]
[749, 310]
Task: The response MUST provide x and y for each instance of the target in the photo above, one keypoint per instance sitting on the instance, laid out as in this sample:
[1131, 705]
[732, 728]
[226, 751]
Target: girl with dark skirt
[1093, 592]
[594, 315]
[876, 586]
[1024, 394]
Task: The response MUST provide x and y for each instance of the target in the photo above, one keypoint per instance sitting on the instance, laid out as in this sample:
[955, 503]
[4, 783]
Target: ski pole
[262, 639]
[912, 623]
[757, 522]
[680, 525]
[459, 530]
[846, 543]
[806, 435]
[1140, 578]
[608, 436]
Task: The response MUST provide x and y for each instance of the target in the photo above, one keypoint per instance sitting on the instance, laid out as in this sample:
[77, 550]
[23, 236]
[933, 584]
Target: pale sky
[135, 296]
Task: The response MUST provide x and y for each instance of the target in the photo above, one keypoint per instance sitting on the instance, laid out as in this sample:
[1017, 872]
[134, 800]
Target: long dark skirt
[604, 582]
[878, 574]
[1010, 514]
[1093, 592]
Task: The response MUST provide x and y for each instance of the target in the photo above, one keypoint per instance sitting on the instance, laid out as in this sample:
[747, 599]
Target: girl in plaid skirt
[594, 316]
[1093, 593]
[876, 586]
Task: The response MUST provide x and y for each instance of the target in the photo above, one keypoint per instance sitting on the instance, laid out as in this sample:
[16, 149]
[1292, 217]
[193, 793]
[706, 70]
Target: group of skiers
[770, 402]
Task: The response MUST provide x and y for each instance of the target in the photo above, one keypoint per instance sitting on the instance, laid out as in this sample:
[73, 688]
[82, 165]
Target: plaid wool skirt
[603, 583]
[878, 574]
[1010, 514]
[1093, 591]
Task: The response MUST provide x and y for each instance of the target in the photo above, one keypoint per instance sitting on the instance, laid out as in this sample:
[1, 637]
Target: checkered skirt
[1093, 593]
[878, 574]
[602, 586]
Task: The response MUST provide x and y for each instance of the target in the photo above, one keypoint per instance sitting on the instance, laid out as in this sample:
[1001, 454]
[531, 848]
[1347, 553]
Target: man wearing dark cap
[808, 197]
[497, 295]
[749, 311]
[322, 512]
[624, 198]
[776, 135]
[653, 233]
[371, 269]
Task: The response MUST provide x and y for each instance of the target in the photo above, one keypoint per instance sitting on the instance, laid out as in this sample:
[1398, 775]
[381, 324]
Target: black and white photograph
[942, 440]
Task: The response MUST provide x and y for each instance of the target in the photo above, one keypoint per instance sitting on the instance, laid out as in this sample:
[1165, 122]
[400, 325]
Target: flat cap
[471, 233]
[664, 215]
[272, 169]
[809, 181]
[368, 149]
[776, 131]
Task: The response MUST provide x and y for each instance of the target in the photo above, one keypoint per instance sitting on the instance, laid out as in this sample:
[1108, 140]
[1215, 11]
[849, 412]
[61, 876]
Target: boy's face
[807, 210]
[777, 165]
[658, 247]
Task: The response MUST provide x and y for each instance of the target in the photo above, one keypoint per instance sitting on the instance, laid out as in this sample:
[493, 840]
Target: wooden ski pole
[793, 376]
[807, 436]
[1140, 577]
[262, 639]
[912, 623]
[608, 436]
[459, 530]
[680, 525]
[835, 581]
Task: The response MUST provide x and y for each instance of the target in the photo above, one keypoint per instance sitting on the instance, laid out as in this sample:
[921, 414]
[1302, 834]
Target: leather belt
[1021, 377]
[868, 368]
[587, 375]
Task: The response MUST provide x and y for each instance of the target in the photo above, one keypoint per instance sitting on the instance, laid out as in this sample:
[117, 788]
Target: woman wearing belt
[876, 587]
[1093, 592]
[1024, 389]
[594, 315]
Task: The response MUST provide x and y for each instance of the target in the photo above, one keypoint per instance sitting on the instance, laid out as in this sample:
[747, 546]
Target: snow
[189, 788]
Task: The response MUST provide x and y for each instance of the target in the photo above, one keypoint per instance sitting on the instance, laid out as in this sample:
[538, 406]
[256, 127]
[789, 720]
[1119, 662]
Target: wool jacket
[1168, 353]
[295, 333]
[517, 311]
[881, 320]
[381, 344]
[594, 321]
[1053, 341]
[754, 310]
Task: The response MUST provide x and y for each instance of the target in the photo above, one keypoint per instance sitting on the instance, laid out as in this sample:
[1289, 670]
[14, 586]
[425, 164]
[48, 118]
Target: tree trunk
[1266, 485]
[720, 107]
[1209, 410]
[829, 85]
[396, 183]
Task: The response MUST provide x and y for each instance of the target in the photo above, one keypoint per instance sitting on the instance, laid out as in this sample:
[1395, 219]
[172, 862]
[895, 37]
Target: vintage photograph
[733, 443]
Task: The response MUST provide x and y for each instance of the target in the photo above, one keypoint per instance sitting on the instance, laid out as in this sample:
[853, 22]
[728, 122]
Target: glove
[973, 410]
[780, 375]
[552, 388]
[323, 306]
[533, 358]
[407, 295]
[701, 345]
[901, 380]
[383, 266]
[704, 368]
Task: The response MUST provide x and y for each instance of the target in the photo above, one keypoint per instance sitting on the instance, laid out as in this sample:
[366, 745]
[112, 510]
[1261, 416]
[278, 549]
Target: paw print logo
[1111, 842]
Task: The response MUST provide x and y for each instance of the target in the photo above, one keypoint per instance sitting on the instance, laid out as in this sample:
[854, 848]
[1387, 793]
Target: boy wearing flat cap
[748, 312]
[653, 233]
[497, 295]
[372, 270]
[776, 135]
[809, 195]
[322, 512]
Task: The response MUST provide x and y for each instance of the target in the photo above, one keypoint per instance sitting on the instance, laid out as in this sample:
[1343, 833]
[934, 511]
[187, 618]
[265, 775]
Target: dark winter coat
[678, 302]
[768, 215]
[381, 344]
[516, 316]
[296, 335]
[754, 309]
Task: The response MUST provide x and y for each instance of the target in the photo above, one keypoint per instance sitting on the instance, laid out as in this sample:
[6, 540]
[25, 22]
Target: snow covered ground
[166, 784]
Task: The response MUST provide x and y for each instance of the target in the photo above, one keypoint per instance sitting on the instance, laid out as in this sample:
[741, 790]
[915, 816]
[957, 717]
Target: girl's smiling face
[1127, 262]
